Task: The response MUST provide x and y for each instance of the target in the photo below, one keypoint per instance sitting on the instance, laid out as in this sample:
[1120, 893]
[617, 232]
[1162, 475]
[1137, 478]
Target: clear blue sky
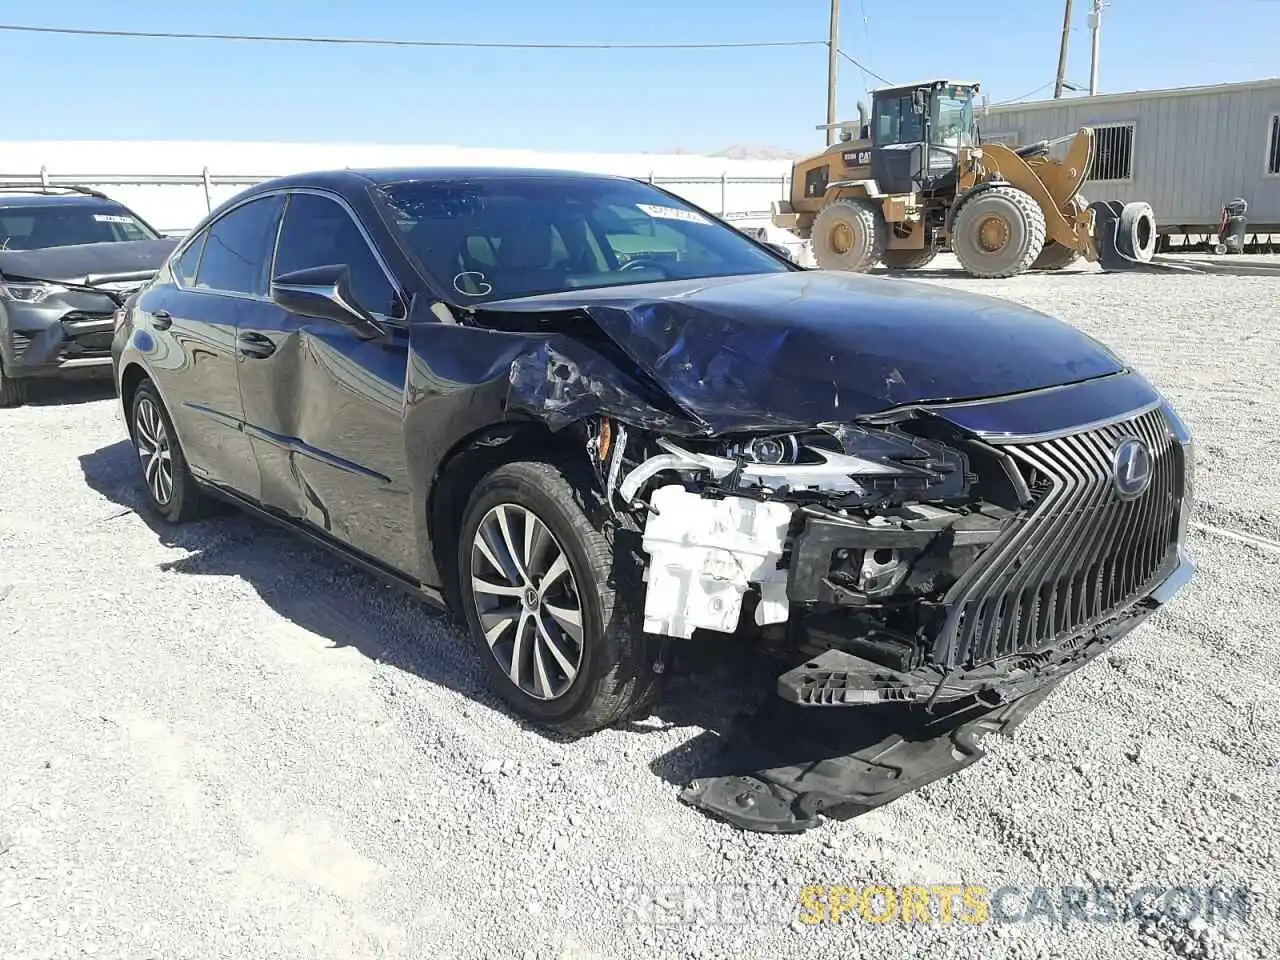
[61, 87]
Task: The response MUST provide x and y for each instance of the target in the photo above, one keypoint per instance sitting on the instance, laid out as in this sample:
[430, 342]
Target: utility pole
[833, 41]
[1062, 53]
[1095, 25]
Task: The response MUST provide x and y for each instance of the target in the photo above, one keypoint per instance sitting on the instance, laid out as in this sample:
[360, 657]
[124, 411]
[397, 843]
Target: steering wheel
[643, 264]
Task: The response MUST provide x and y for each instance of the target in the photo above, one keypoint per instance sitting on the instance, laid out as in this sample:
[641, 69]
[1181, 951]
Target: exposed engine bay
[909, 565]
[871, 525]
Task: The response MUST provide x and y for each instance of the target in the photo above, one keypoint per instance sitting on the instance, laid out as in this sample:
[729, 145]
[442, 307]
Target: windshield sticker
[482, 286]
[111, 218]
[672, 213]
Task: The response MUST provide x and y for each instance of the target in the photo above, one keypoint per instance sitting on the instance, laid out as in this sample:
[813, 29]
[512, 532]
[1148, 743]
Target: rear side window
[319, 232]
[237, 249]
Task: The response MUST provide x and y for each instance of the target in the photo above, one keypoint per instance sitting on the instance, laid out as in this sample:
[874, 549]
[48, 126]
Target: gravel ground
[220, 743]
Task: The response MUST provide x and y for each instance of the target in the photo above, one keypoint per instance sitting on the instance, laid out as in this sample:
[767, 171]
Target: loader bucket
[1124, 234]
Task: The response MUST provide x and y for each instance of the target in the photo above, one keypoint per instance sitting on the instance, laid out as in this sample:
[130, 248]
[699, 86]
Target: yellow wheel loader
[918, 180]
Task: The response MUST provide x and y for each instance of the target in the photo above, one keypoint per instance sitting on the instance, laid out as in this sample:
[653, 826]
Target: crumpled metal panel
[788, 350]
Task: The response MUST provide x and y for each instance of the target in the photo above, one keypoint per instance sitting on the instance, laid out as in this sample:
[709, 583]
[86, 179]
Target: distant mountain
[741, 151]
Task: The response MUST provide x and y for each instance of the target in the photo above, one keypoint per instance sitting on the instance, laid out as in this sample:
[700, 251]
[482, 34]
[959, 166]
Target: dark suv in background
[69, 257]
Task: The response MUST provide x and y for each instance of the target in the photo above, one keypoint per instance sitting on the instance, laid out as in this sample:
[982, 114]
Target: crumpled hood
[812, 346]
[88, 263]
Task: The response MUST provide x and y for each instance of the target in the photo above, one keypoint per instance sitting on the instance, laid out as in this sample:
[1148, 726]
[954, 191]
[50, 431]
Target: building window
[1112, 152]
[1273, 146]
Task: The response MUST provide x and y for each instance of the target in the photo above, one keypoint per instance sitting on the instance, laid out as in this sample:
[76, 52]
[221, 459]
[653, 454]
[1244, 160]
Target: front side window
[318, 232]
[69, 224]
[952, 117]
[497, 238]
[237, 249]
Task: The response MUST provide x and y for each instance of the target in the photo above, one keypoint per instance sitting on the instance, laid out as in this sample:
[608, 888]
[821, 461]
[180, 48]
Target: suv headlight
[28, 291]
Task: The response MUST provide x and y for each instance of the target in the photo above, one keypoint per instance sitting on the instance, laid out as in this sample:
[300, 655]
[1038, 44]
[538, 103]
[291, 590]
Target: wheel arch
[463, 465]
[131, 378]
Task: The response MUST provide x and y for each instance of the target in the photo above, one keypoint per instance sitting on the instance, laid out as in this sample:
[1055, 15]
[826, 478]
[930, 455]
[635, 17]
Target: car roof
[53, 199]
[382, 176]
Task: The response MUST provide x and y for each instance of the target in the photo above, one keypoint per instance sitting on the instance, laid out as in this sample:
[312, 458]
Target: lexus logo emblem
[1131, 468]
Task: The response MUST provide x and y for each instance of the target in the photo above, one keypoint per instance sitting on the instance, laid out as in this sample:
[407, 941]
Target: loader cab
[917, 132]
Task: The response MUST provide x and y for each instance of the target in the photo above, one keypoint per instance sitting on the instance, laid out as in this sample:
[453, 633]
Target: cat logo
[856, 158]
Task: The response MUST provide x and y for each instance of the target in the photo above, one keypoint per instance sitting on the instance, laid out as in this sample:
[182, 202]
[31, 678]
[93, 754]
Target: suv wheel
[557, 640]
[171, 490]
[13, 392]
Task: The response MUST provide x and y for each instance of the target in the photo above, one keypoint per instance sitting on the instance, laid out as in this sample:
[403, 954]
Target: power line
[386, 42]
[864, 68]
[1029, 93]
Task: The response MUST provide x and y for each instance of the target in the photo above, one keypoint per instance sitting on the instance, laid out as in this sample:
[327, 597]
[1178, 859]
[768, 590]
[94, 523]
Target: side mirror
[781, 249]
[323, 293]
[919, 101]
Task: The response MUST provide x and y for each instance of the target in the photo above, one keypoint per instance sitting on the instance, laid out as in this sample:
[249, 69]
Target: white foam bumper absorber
[705, 554]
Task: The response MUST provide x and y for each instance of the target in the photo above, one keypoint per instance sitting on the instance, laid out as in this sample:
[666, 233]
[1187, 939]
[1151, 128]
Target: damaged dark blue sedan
[599, 423]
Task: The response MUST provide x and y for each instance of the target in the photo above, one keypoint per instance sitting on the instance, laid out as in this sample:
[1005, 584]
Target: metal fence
[176, 202]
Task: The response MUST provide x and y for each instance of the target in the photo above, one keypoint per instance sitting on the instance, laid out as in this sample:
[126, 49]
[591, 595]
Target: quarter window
[318, 232]
[189, 262]
[237, 249]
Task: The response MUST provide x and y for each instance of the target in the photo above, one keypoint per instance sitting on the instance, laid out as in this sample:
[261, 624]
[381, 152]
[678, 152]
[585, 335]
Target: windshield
[65, 225]
[953, 117]
[496, 238]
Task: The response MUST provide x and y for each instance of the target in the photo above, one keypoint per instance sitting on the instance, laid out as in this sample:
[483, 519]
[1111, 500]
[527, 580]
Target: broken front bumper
[51, 340]
[786, 767]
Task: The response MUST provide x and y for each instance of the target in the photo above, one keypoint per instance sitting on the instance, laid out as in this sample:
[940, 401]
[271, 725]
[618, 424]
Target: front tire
[1055, 256]
[13, 391]
[171, 490]
[558, 640]
[849, 235]
[998, 233]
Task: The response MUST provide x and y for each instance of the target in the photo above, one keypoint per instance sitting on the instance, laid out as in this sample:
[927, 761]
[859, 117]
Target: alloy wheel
[154, 451]
[527, 601]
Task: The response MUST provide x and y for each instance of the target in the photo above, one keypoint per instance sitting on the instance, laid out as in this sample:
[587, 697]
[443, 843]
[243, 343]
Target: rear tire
[564, 604]
[172, 492]
[908, 259]
[850, 235]
[998, 233]
[13, 391]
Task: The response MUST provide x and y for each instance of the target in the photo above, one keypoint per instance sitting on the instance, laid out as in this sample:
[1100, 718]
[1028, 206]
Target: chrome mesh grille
[1082, 554]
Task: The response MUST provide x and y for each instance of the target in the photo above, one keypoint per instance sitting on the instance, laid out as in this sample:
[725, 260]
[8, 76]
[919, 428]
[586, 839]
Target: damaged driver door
[323, 399]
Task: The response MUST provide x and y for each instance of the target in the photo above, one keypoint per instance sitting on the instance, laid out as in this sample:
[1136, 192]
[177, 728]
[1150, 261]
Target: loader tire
[849, 235]
[999, 232]
[1055, 256]
[896, 260]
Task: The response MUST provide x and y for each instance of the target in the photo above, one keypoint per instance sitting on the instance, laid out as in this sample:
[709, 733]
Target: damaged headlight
[770, 450]
[838, 458]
